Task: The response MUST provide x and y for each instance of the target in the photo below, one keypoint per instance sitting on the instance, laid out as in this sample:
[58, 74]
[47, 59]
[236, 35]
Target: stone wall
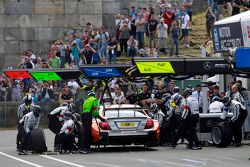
[35, 24]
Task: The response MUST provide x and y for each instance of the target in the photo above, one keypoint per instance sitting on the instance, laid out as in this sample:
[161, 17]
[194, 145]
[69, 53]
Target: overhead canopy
[234, 19]
[232, 32]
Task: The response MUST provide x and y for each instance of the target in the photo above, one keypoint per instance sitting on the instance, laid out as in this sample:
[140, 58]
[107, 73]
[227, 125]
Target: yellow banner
[155, 67]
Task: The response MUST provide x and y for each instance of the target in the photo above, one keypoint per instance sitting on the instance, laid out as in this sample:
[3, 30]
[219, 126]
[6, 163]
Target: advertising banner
[227, 36]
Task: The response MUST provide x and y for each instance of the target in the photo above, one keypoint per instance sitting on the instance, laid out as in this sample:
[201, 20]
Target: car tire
[221, 135]
[80, 136]
[38, 140]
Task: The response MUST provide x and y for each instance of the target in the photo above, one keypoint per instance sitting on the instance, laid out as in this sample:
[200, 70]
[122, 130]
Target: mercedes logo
[207, 65]
[209, 123]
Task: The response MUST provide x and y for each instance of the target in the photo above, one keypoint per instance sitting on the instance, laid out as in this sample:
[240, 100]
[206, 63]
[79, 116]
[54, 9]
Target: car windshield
[123, 113]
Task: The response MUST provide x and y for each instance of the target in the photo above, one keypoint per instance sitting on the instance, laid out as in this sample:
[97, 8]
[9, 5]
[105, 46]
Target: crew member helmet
[215, 98]
[187, 92]
[72, 107]
[67, 115]
[226, 100]
[36, 110]
[91, 93]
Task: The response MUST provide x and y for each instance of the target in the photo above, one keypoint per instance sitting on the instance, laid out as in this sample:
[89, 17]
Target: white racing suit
[239, 115]
[28, 122]
[189, 120]
[23, 109]
[56, 118]
[66, 136]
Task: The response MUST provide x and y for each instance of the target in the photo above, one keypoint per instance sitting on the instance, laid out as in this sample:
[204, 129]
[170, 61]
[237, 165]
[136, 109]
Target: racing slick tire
[80, 136]
[221, 134]
[54, 124]
[38, 140]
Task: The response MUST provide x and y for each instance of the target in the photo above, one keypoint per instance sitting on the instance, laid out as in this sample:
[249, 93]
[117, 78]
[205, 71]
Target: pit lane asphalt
[130, 156]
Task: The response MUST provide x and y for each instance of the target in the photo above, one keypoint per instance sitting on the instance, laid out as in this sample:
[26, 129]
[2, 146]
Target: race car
[125, 124]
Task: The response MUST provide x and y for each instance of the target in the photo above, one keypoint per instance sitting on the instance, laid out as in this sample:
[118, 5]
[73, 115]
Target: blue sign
[242, 56]
[216, 40]
[101, 72]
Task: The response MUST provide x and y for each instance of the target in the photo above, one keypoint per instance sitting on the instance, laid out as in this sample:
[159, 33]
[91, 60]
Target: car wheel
[80, 136]
[221, 135]
[38, 140]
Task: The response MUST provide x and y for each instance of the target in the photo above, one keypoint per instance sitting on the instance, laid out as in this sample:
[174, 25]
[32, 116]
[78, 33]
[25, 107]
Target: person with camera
[162, 36]
[112, 50]
[132, 50]
[88, 53]
[237, 120]
[124, 36]
[140, 30]
[210, 19]
[29, 122]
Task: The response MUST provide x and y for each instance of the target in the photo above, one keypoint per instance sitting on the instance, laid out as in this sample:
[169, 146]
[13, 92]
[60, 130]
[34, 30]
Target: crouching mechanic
[238, 118]
[56, 118]
[90, 108]
[29, 122]
[66, 137]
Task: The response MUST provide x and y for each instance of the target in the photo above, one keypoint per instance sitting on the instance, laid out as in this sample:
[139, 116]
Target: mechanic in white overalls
[237, 120]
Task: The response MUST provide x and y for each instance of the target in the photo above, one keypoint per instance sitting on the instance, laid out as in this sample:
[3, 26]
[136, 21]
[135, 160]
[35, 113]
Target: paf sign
[155, 67]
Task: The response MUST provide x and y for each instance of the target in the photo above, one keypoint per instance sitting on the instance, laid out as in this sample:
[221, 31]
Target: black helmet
[187, 92]
[176, 89]
[36, 110]
[226, 100]
[215, 98]
[67, 115]
[166, 97]
[72, 107]
[177, 98]
[91, 93]
[27, 100]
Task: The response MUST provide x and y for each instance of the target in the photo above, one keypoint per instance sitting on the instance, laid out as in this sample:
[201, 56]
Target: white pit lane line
[21, 160]
[62, 161]
[77, 165]
[194, 161]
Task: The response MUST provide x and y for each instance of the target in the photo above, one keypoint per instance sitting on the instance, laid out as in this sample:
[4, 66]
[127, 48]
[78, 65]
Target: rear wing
[135, 109]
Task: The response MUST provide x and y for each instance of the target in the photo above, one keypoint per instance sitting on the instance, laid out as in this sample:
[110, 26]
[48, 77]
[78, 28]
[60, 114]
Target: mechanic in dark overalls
[90, 108]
